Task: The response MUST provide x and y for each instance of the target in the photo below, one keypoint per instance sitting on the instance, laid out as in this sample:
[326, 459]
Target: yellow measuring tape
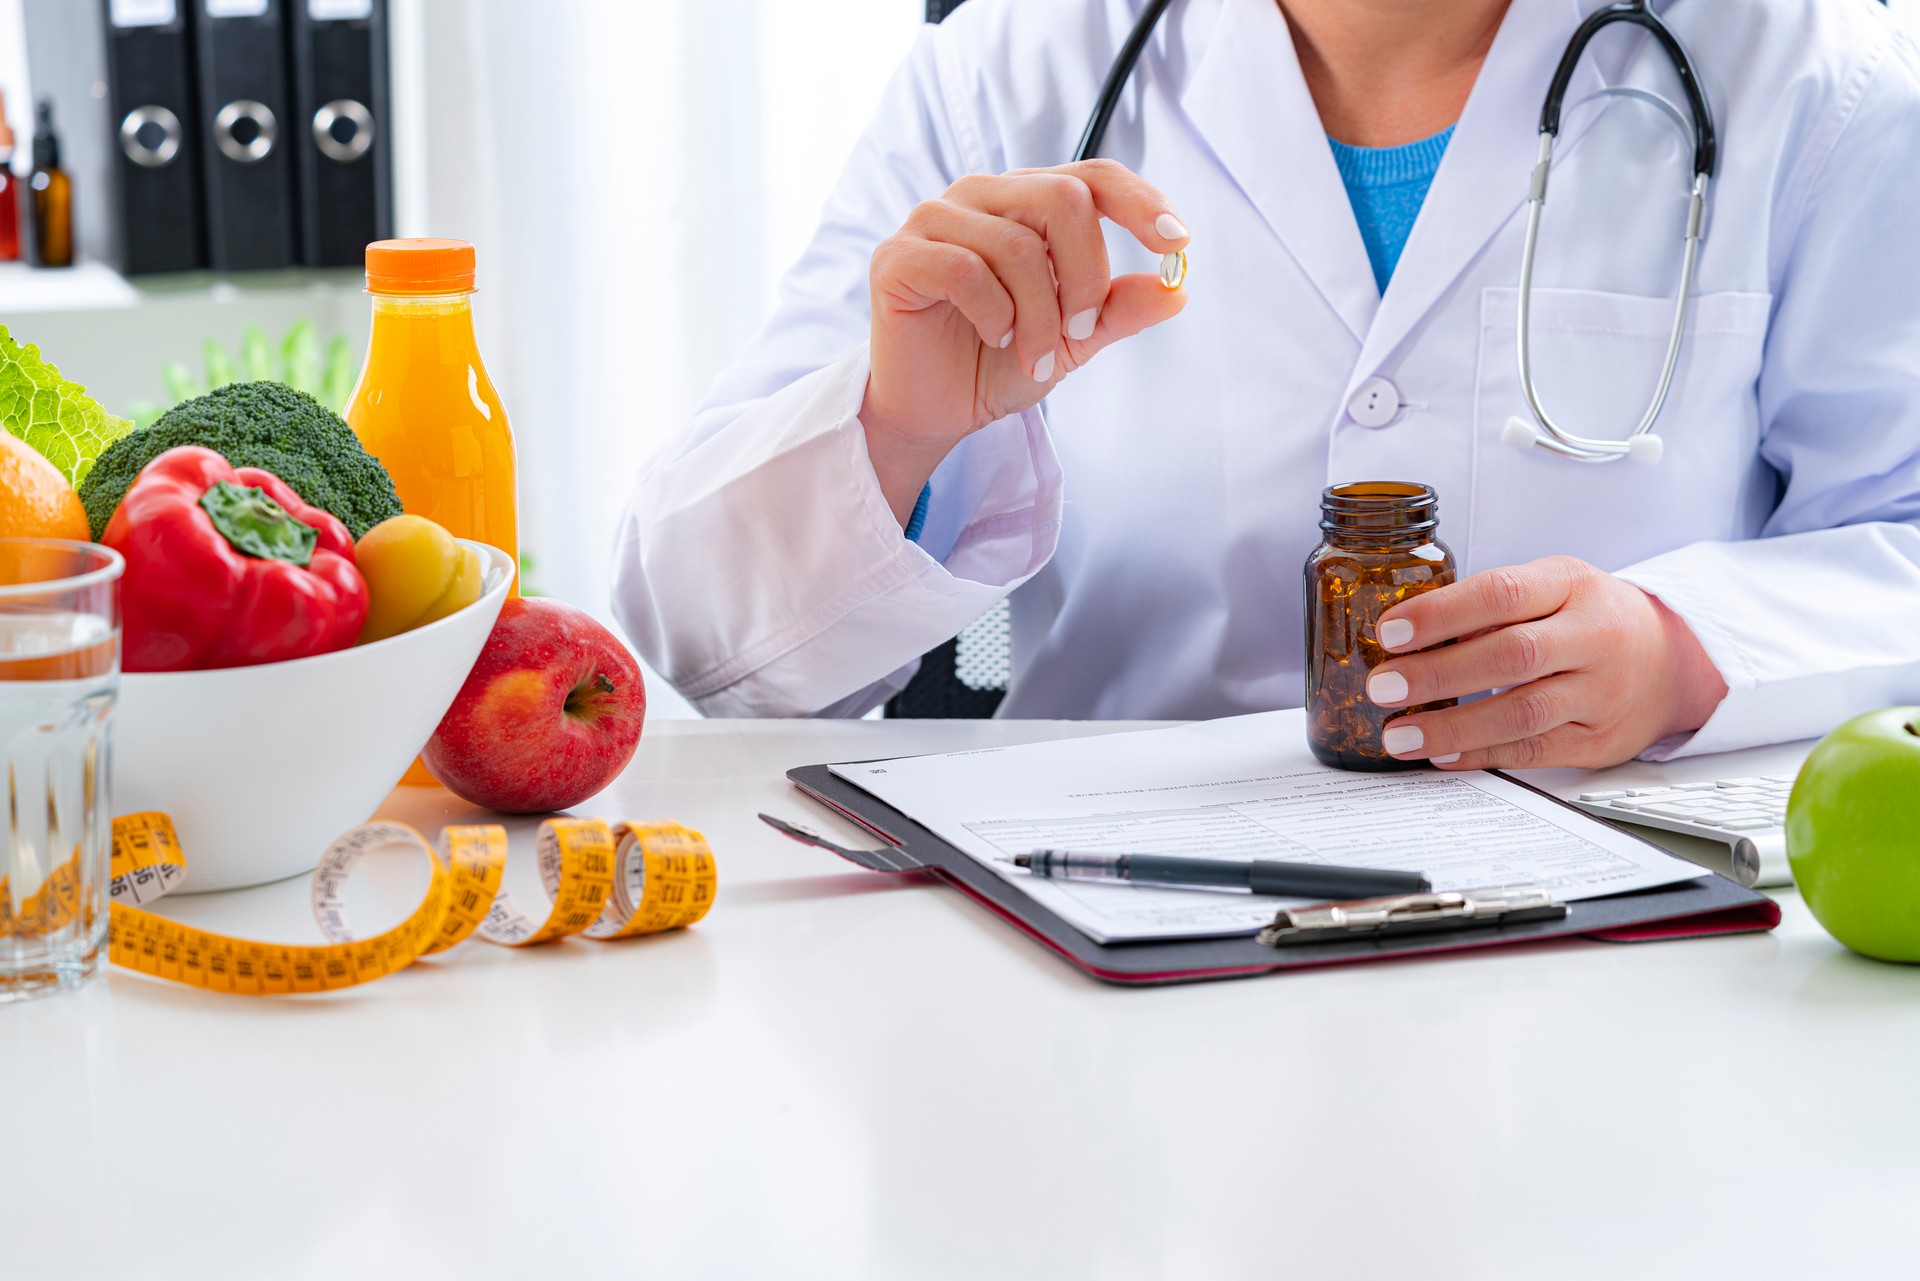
[603, 882]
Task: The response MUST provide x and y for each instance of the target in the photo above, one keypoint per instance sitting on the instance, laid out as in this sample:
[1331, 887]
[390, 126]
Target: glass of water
[59, 673]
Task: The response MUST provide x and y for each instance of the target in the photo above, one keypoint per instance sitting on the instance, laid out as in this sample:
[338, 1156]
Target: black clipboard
[1709, 905]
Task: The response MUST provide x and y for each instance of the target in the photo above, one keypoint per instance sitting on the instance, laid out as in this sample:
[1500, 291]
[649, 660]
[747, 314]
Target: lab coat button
[1374, 403]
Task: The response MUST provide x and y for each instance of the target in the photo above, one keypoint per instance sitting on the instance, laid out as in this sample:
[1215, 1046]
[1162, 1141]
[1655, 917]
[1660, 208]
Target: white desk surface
[839, 1075]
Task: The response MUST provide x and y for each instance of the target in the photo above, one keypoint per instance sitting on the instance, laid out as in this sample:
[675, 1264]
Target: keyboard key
[1695, 787]
[1671, 811]
[1746, 825]
[1601, 796]
[1741, 782]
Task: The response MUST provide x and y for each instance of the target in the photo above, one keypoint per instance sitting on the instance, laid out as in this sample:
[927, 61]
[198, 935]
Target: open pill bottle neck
[1379, 514]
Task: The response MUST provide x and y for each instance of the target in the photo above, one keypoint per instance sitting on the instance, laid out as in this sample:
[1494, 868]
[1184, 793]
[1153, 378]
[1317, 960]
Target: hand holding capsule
[992, 294]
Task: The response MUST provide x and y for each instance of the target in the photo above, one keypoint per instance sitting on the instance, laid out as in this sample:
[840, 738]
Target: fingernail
[1080, 327]
[1170, 227]
[1006, 340]
[1396, 633]
[1448, 759]
[1402, 740]
[1043, 369]
[1387, 689]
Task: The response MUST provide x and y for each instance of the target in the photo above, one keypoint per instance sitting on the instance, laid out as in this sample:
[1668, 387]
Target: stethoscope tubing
[1639, 443]
[1550, 435]
[1116, 82]
[1706, 146]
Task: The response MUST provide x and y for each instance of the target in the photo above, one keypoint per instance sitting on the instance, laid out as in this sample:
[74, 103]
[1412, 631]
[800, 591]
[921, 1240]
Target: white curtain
[635, 174]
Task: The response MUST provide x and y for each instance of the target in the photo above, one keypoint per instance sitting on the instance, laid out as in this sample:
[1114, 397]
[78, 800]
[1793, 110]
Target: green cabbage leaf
[52, 414]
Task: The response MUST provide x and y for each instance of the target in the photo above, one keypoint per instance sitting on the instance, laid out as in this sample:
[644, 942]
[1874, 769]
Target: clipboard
[1708, 905]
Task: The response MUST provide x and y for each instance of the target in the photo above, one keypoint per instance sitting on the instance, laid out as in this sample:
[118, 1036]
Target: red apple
[550, 713]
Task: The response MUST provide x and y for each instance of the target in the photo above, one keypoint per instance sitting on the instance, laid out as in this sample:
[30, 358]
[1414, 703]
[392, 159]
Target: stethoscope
[1641, 444]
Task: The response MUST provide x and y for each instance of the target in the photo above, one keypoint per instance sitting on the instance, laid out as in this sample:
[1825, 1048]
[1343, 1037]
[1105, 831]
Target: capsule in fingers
[1173, 269]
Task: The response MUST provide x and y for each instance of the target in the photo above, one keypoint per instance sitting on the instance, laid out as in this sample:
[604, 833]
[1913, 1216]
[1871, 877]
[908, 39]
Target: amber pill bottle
[1379, 546]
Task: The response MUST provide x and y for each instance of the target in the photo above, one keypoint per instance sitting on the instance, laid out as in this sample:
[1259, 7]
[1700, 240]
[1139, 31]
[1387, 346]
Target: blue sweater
[1386, 187]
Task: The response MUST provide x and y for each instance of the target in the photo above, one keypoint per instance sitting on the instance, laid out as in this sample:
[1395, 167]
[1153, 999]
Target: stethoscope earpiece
[1519, 434]
[1646, 449]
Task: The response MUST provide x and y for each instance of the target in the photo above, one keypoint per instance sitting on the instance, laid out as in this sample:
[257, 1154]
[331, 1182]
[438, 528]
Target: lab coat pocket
[1596, 361]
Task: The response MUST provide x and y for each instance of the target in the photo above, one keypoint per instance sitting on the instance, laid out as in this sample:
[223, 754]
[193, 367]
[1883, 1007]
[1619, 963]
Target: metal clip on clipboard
[1410, 914]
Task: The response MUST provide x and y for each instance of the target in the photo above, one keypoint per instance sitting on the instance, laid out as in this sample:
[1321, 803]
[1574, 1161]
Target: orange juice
[424, 405]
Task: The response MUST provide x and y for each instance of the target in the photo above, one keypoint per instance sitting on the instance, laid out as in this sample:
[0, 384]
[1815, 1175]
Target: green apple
[1853, 833]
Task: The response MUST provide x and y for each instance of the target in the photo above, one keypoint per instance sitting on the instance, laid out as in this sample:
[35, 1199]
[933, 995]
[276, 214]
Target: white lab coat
[1151, 518]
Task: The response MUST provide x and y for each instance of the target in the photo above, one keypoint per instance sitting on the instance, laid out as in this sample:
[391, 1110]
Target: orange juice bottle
[424, 405]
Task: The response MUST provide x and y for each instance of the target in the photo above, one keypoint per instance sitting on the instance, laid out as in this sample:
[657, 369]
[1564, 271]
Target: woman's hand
[1593, 670]
[992, 294]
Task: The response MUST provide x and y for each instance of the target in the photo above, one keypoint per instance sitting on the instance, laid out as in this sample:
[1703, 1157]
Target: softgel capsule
[1173, 269]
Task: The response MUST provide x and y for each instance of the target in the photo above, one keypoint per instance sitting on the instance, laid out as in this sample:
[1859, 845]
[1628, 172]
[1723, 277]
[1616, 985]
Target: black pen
[1261, 876]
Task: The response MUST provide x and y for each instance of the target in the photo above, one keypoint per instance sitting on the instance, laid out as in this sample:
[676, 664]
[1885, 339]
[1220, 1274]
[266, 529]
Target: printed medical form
[1247, 787]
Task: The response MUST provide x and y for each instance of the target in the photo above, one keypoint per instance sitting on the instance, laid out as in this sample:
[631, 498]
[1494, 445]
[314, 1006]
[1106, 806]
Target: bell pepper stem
[257, 526]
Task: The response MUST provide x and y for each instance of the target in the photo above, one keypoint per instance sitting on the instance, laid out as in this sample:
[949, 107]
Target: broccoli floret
[261, 424]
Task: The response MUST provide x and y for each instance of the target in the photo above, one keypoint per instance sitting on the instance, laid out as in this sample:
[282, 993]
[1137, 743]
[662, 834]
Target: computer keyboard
[1748, 814]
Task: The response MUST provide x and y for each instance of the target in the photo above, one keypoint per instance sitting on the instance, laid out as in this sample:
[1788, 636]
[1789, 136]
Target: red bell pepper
[227, 568]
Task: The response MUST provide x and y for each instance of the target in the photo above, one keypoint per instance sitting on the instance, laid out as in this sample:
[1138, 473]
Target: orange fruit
[35, 499]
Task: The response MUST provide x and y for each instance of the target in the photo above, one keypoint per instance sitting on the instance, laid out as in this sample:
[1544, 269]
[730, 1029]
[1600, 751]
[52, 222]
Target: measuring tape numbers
[601, 882]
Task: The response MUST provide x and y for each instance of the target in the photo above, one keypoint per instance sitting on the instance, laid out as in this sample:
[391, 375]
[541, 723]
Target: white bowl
[261, 767]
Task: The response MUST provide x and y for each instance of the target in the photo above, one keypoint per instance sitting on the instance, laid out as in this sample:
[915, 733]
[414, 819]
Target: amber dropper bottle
[52, 191]
[9, 192]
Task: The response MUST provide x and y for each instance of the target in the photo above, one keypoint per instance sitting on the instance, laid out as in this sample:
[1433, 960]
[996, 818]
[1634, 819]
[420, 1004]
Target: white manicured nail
[1448, 759]
[1170, 227]
[1006, 340]
[1387, 689]
[1402, 740]
[1043, 369]
[1396, 633]
[1080, 327]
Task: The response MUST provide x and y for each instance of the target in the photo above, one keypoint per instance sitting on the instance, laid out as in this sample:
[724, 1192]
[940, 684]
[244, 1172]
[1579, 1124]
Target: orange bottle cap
[420, 265]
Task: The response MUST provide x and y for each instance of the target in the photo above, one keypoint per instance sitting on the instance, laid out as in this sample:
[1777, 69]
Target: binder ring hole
[343, 130]
[245, 131]
[150, 137]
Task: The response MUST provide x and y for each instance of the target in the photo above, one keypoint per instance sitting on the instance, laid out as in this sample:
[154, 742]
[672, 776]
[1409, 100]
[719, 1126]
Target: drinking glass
[59, 673]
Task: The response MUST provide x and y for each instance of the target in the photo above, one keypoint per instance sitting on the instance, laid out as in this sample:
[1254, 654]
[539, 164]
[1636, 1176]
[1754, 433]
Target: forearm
[761, 568]
[1803, 629]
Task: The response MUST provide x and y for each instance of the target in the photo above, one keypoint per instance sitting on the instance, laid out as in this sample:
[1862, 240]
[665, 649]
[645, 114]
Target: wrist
[1696, 684]
[902, 462]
